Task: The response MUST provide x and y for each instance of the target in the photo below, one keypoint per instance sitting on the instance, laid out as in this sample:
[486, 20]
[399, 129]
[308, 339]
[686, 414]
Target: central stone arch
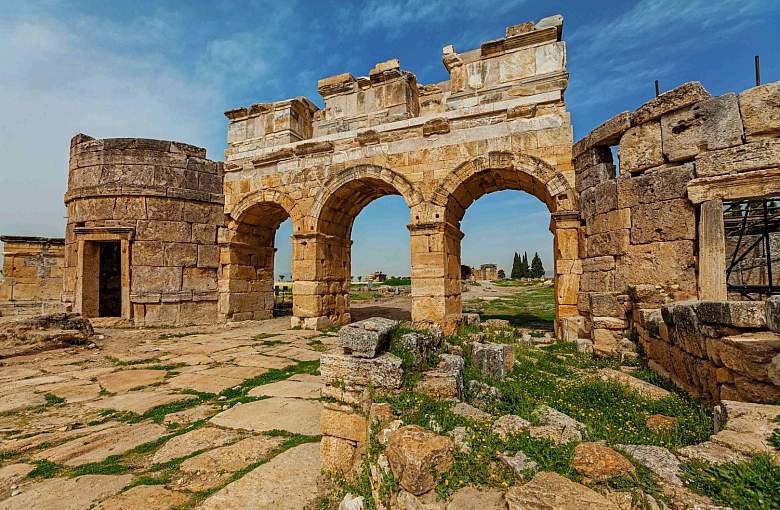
[436, 245]
[321, 297]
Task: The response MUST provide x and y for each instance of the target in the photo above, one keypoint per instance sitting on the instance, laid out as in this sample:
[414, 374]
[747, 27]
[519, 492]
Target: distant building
[485, 272]
[376, 276]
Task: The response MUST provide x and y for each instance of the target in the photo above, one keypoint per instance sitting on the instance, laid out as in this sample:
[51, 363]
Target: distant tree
[515, 273]
[281, 277]
[525, 270]
[537, 269]
[465, 272]
[501, 274]
[360, 278]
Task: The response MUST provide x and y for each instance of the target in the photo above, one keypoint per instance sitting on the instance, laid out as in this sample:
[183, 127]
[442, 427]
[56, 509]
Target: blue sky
[168, 69]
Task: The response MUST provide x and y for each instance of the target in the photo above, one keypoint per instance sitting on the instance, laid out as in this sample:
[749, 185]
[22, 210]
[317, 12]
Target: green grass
[754, 484]
[363, 295]
[52, 399]
[317, 345]
[398, 281]
[529, 307]
[168, 336]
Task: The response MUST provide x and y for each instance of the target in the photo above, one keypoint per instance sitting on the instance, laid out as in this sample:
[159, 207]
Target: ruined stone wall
[498, 123]
[659, 223]
[32, 274]
[163, 202]
[719, 350]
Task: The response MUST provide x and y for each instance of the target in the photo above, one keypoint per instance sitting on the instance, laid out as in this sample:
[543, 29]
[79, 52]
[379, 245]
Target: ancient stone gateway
[499, 123]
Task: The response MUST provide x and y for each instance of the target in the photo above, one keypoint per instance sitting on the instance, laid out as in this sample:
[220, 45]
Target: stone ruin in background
[158, 234]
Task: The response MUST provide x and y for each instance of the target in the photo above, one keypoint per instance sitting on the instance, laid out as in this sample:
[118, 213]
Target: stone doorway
[110, 279]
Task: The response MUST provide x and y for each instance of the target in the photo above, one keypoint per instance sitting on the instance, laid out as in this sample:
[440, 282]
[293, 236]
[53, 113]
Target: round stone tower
[141, 235]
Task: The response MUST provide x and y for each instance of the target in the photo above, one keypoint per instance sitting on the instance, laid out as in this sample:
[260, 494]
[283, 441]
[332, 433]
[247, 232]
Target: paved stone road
[91, 421]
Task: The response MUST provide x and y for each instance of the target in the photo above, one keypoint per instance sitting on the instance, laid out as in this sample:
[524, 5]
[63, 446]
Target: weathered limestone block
[445, 381]
[742, 158]
[640, 147]
[750, 354]
[671, 262]
[740, 314]
[551, 490]
[493, 360]
[647, 294]
[342, 421]
[599, 463]
[592, 157]
[157, 279]
[605, 263]
[598, 199]
[760, 108]
[708, 125]
[670, 220]
[416, 455]
[420, 345]
[605, 304]
[573, 328]
[615, 242]
[384, 371]
[594, 175]
[665, 184]
[609, 221]
[675, 99]
[597, 281]
[609, 323]
[366, 338]
[509, 424]
[609, 132]
[337, 455]
[757, 183]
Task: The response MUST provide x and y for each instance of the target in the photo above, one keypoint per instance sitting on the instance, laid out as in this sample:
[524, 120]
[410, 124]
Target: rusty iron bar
[758, 71]
[657, 90]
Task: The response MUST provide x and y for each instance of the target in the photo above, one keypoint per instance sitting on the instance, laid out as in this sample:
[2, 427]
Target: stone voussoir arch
[547, 182]
[276, 197]
[400, 184]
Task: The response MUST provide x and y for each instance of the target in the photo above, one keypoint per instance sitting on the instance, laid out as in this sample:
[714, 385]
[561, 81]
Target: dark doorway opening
[110, 290]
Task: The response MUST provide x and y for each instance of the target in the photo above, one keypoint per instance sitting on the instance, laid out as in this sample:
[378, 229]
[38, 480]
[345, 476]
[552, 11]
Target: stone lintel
[435, 227]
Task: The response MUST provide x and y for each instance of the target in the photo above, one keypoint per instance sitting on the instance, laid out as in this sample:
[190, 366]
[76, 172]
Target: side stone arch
[436, 238]
[254, 198]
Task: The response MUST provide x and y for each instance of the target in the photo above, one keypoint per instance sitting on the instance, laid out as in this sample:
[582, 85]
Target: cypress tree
[514, 274]
[537, 269]
[525, 271]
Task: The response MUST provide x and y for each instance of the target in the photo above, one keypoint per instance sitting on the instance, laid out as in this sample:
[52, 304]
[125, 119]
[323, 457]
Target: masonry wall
[163, 202]
[719, 350]
[657, 224]
[32, 274]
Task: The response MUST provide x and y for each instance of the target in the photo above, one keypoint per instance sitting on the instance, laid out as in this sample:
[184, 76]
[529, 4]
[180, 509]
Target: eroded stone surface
[414, 454]
[146, 497]
[67, 493]
[125, 380]
[291, 414]
[551, 490]
[198, 439]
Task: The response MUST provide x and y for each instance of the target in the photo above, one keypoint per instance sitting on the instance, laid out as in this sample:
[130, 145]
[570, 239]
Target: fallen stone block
[416, 455]
[367, 338]
[383, 371]
[445, 381]
[493, 360]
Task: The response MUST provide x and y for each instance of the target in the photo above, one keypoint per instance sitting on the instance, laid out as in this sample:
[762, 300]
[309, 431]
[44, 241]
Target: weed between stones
[745, 485]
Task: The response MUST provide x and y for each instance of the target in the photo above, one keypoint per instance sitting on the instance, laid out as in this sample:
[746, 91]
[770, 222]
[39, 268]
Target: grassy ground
[556, 376]
[532, 306]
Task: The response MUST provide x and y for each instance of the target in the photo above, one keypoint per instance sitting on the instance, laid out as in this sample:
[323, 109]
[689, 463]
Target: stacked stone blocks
[32, 274]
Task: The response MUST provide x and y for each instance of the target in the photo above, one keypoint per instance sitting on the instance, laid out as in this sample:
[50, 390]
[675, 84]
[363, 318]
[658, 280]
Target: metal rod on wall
[657, 90]
[758, 71]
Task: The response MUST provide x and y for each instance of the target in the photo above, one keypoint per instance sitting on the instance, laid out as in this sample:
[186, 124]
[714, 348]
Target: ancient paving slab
[204, 382]
[139, 402]
[26, 443]
[99, 445]
[19, 401]
[79, 493]
[292, 352]
[17, 372]
[291, 414]
[198, 439]
[190, 415]
[263, 361]
[235, 372]
[210, 468]
[73, 392]
[126, 380]
[11, 475]
[287, 482]
[288, 388]
[144, 497]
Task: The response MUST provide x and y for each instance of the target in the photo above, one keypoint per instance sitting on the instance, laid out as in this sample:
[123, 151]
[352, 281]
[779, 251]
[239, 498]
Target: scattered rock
[496, 324]
[469, 411]
[460, 436]
[711, 452]
[408, 501]
[493, 360]
[420, 345]
[659, 423]
[415, 454]
[642, 387]
[599, 463]
[557, 426]
[518, 462]
[366, 338]
[509, 424]
[584, 345]
[552, 491]
[384, 434]
[445, 381]
[469, 498]
[657, 459]
[482, 393]
[351, 502]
